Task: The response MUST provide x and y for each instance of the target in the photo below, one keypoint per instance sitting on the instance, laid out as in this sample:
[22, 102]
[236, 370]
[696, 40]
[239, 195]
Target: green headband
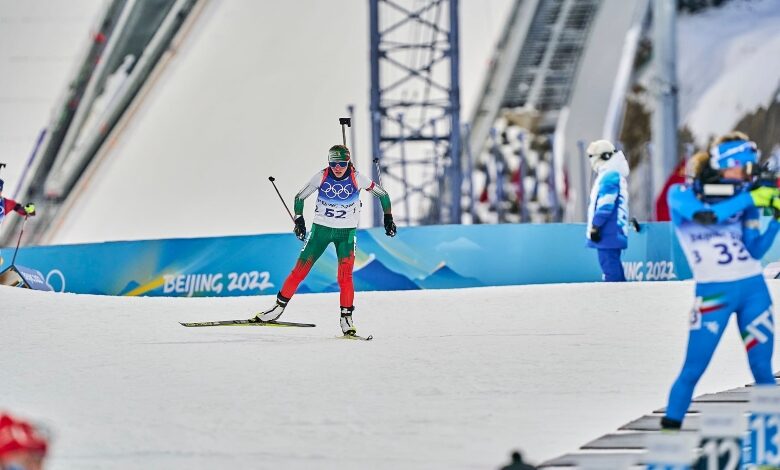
[338, 155]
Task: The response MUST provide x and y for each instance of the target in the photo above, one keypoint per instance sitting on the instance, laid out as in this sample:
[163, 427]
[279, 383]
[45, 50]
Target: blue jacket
[608, 207]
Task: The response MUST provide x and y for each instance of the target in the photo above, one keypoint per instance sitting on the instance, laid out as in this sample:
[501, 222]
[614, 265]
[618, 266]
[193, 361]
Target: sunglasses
[603, 156]
[339, 164]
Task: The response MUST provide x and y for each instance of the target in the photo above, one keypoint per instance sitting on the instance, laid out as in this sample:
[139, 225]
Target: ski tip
[356, 337]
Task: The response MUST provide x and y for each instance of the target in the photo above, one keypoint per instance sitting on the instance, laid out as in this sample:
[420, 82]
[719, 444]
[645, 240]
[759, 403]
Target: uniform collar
[347, 174]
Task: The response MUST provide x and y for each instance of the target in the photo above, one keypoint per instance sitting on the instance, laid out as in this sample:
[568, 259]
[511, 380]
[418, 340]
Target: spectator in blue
[717, 221]
[607, 229]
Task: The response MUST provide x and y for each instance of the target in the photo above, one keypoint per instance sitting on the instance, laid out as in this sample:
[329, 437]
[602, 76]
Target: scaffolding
[415, 108]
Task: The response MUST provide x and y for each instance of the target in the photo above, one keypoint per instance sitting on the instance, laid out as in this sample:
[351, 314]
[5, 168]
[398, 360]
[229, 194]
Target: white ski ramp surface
[453, 379]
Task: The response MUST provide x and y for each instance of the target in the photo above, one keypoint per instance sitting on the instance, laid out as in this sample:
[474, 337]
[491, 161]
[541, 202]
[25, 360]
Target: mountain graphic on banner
[131, 286]
[305, 289]
[376, 276]
[445, 277]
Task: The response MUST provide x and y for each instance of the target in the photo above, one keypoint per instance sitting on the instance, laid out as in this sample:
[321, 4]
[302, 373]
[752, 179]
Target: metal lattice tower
[415, 108]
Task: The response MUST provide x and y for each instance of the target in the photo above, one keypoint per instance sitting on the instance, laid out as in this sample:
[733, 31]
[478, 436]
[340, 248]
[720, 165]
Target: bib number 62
[339, 214]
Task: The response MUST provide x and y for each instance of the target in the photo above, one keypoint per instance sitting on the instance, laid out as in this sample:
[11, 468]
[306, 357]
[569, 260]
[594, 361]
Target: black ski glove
[705, 217]
[300, 228]
[595, 234]
[390, 228]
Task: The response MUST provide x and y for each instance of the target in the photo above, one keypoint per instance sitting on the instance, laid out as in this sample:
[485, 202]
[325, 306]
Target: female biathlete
[336, 218]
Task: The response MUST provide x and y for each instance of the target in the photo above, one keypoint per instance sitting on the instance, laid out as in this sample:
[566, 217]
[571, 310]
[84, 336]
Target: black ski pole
[272, 179]
[378, 171]
[345, 121]
[13, 260]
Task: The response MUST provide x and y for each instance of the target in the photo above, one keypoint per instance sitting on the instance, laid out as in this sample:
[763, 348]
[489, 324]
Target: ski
[357, 337]
[250, 322]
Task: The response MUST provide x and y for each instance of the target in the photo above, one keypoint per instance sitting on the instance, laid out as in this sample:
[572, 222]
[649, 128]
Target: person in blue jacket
[716, 219]
[607, 229]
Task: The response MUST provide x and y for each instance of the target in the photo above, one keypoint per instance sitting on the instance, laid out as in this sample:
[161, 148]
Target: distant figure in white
[608, 208]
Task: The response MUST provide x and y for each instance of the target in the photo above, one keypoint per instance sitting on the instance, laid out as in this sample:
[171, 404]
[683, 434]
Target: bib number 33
[726, 254]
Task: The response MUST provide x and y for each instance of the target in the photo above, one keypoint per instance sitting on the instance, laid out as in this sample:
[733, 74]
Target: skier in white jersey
[336, 218]
[716, 218]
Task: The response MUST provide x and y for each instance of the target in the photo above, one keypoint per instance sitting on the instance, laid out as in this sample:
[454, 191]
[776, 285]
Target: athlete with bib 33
[336, 218]
[716, 218]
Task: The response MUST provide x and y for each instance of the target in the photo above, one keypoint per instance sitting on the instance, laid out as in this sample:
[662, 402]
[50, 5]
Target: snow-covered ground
[454, 378]
[728, 64]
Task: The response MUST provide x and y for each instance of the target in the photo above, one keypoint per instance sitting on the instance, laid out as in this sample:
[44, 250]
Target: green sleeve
[298, 206]
[384, 200]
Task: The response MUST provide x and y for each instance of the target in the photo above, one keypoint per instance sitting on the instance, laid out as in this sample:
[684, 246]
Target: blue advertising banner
[428, 257]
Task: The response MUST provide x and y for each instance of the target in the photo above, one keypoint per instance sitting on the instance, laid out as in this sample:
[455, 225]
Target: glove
[595, 234]
[390, 228]
[764, 196]
[300, 228]
[29, 209]
[705, 217]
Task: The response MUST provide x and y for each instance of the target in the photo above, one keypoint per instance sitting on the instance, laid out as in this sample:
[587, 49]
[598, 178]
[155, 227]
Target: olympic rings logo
[337, 190]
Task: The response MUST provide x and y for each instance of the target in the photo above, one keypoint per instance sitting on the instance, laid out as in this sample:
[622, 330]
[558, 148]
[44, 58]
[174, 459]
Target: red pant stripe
[297, 275]
[346, 285]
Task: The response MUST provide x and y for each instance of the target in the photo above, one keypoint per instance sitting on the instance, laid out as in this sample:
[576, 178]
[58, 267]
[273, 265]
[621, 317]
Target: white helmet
[599, 152]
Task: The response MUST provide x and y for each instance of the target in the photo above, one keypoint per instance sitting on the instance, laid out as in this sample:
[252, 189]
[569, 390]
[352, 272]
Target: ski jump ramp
[596, 107]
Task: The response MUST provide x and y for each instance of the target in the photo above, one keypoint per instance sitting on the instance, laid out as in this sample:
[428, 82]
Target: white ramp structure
[558, 77]
[246, 90]
[596, 107]
[230, 103]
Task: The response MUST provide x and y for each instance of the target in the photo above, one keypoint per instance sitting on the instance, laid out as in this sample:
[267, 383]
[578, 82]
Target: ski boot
[274, 312]
[670, 425]
[347, 325]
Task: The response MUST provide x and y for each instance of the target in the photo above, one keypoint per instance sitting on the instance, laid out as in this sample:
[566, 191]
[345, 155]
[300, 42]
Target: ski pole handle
[272, 179]
[345, 121]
